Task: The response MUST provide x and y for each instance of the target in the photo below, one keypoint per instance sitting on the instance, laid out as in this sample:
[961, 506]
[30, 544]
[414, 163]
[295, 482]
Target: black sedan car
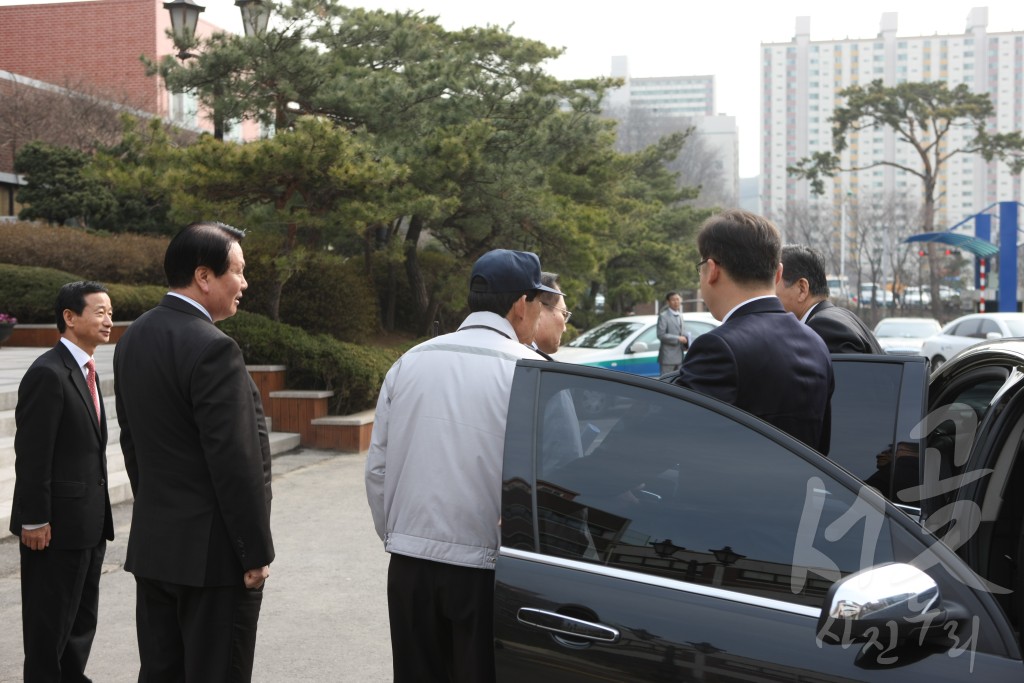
[678, 538]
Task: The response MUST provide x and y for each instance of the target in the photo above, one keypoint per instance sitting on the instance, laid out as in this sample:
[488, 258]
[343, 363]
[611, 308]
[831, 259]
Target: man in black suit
[196, 450]
[61, 505]
[804, 292]
[761, 358]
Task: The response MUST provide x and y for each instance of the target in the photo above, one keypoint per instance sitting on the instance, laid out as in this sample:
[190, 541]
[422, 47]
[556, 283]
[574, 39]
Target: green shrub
[331, 296]
[131, 301]
[354, 373]
[121, 258]
[28, 293]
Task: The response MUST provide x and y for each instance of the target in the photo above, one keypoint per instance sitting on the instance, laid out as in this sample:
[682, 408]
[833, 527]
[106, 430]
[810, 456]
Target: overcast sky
[674, 38]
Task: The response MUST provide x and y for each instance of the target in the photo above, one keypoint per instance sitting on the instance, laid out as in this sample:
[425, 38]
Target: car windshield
[1016, 327]
[606, 336]
[906, 328]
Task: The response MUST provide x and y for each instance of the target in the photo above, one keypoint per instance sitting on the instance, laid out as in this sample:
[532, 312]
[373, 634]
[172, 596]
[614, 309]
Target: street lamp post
[185, 17]
[255, 15]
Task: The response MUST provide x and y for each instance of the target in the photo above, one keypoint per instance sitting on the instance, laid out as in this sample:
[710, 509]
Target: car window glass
[965, 402]
[606, 336]
[649, 337]
[988, 326]
[697, 328]
[666, 487]
[864, 431]
[967, 328]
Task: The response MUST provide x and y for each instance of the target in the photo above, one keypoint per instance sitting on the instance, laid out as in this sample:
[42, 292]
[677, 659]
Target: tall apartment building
[799, 85]
[686, 100]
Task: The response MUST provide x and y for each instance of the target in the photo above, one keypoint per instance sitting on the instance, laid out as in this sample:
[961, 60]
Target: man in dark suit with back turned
[196, 450]
[761, 358]
[804, 292]
[61, 507]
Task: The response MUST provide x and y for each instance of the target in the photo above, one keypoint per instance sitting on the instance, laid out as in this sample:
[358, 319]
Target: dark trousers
[190, 634]
[442, 621]
[60, 592]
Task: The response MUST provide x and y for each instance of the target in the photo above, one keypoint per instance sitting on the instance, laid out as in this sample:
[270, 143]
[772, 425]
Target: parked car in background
[905, 335]
[915, 296]
[968, 330]
[871, 292]
[628, 344]
[689, 540]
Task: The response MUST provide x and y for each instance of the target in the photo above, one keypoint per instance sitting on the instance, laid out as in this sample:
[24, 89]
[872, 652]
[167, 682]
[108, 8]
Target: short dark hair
[72, 297]
[672, 294]
[206, 243]
[497, 302]
[748, 246]
[550, 280]
[798, 262]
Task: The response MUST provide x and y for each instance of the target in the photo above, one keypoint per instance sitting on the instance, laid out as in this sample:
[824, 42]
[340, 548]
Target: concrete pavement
[324, 616]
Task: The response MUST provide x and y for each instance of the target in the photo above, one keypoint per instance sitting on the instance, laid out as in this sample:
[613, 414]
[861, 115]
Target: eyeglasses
[565, 314]
[699, 264]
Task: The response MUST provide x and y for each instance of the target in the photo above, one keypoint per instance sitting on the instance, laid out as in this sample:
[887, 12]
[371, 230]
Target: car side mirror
[638, 347]
[892, 599]
[993, 335]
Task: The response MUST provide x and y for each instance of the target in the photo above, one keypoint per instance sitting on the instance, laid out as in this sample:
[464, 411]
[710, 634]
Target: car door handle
[568, 626]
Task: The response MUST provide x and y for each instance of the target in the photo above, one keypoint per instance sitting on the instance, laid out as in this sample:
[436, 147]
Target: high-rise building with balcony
[800, 81]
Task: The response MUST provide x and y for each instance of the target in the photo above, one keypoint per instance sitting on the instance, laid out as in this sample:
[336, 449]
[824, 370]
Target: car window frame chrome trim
[662, 582]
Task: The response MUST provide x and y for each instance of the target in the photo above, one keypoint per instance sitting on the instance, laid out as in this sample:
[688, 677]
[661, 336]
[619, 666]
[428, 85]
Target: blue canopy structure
[975, 245]
[983, 249]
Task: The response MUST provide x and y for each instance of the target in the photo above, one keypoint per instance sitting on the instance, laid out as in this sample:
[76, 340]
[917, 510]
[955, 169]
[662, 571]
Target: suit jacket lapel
[78, 379]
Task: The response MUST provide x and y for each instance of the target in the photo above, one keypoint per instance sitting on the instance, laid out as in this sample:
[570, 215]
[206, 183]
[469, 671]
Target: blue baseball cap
[503, 271]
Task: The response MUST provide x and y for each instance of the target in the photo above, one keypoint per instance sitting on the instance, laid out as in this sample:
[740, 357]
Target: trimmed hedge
[354, 373]
[122, 258]
[29, 294]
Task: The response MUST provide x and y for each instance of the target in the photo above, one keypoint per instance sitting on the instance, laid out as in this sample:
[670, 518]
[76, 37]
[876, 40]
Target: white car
[628, 344]
[904, 336]
[874, 293]
[969, 330]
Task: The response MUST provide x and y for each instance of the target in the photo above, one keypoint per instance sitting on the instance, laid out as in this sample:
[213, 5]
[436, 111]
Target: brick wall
[95, 43]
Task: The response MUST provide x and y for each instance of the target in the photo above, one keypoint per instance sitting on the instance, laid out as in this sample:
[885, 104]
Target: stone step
[118, 485]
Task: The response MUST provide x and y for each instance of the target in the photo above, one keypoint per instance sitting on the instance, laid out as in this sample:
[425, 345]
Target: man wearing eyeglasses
[553, 317]
[671, 334]
[761, 358]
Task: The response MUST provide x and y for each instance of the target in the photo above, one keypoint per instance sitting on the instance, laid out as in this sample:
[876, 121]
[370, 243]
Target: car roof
[907, 320]
[996, 314]
[701, 316]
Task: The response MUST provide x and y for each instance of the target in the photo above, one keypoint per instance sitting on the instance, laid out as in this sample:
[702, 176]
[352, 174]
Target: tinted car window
[668, 487]
[866, 436]
[988, 326]
[967, 328]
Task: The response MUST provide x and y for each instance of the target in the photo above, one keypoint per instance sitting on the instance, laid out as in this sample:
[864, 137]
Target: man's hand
[36, 539]
[254, 578]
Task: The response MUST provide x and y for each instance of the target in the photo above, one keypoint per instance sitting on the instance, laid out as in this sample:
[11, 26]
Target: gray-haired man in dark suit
[804, 292]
